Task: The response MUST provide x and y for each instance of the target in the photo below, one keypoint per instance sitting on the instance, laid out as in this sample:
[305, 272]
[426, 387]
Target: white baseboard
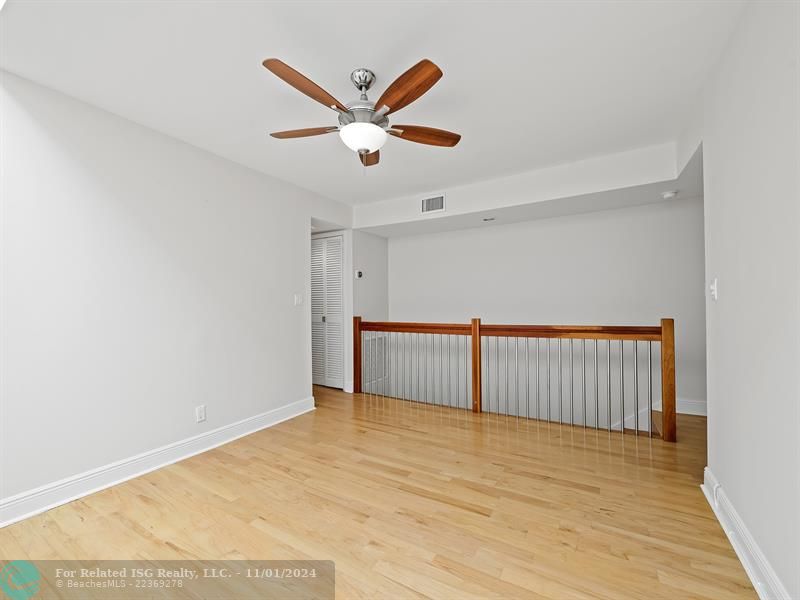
[35, 501]
[765, 580]
[686, 406]
[683, 406]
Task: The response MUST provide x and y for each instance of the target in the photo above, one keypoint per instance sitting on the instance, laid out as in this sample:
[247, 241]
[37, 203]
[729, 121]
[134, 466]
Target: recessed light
[669, 195]
[487, 219]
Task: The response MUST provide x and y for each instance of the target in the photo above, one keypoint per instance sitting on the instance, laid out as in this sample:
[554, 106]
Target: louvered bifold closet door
[327, 321]
[318, 311]
[334, 319]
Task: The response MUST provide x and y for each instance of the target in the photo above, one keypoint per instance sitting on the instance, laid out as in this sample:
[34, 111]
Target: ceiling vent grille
[435, 204]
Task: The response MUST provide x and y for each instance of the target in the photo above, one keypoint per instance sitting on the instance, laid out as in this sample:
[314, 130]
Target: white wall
[140, 277]
[367, 297]
[627, 266]
[371, 293]
[751, 139]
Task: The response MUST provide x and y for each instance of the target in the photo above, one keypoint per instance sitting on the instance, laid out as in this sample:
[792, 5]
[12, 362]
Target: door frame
[347, 300]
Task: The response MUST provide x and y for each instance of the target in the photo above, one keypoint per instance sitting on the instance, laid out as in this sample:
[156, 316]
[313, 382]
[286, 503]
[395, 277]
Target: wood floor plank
[421, 501]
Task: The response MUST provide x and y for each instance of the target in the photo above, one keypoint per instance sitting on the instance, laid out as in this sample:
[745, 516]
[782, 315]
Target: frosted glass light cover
[363, 136]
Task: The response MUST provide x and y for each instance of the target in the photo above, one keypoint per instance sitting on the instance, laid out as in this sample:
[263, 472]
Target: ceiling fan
[363, 124]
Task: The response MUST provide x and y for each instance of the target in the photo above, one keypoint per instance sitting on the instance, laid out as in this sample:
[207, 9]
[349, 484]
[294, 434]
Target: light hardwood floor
[415, 501]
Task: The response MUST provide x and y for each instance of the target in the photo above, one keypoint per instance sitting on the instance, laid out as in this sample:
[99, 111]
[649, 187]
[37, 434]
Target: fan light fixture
[363, 136]
[364, 124]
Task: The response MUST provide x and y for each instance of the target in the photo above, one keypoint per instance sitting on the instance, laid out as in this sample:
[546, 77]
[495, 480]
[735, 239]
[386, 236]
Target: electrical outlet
[200, 413]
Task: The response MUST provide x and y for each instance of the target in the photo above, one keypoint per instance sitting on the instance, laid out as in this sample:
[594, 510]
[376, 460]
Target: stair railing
[602, 377]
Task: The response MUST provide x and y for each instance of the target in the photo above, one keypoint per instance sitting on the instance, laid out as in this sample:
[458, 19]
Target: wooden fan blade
[370, 159]
[302, 83]
[410, 86]
[426, 135]
[296, 133]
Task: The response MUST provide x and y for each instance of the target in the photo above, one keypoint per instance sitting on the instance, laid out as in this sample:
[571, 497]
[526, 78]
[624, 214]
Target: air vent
[433, 204]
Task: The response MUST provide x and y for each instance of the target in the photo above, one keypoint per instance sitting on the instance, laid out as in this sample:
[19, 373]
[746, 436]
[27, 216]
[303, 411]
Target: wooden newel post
[668, 427]
[476, 365]
[356, 355]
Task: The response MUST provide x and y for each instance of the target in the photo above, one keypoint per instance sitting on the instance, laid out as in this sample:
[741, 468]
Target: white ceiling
[526, 84]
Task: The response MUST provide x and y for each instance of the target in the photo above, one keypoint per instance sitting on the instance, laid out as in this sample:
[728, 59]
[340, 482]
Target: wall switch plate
[714, 289]
[298, 299]
[200, 413]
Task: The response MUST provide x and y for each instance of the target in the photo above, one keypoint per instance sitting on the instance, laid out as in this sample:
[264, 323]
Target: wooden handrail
[664, 333]
[587, 332]
[615, 332]
[437, 328]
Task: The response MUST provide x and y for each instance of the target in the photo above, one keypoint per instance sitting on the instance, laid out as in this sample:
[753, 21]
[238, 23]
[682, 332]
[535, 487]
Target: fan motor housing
[361, 111]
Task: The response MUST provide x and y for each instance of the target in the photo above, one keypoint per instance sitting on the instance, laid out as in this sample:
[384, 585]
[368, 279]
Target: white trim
[35, 501]
[764, 578]
[683, 406]
[630, 422]
[686, 406]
